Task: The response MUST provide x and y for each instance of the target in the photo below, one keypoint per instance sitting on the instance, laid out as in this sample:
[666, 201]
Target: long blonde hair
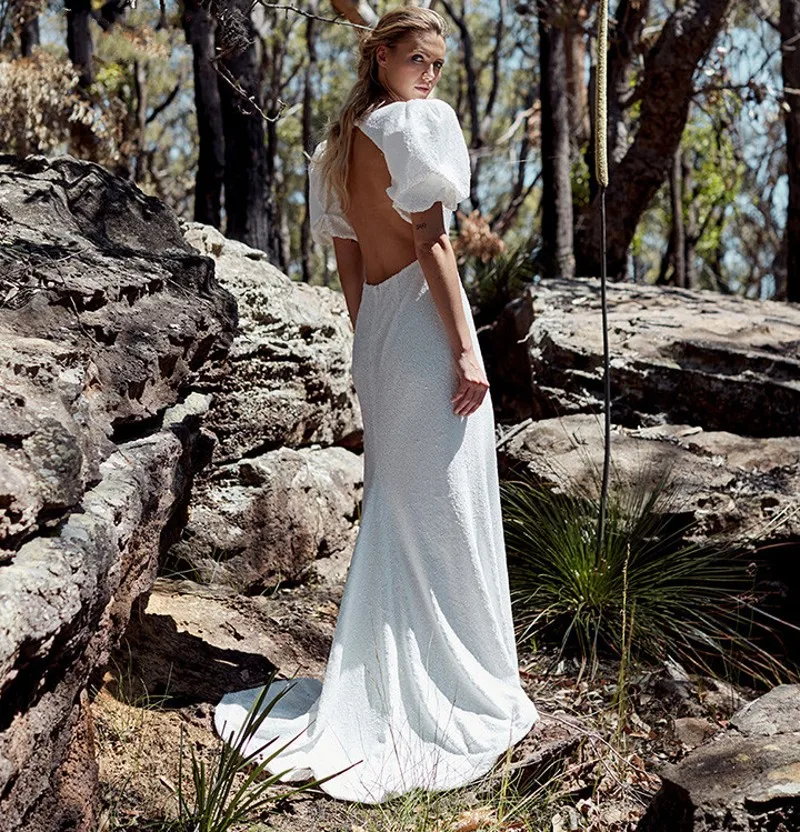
[368, 92]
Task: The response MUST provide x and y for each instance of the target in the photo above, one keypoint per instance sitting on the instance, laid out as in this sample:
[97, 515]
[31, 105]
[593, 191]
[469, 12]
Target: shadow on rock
[156, 660]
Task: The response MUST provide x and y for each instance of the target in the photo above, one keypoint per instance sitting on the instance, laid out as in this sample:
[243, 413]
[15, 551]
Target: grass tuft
[648, 592]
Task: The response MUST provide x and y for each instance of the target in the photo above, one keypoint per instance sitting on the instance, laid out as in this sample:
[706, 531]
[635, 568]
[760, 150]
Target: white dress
[422, 685]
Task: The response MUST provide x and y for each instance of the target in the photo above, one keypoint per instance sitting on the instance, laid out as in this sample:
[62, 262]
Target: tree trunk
[576, 83]
[79, 39]
[83, 142]
[557, 255]
[311, 72]
[790, 50]
[665, 93]
[692, 235]
[245, 158]
[140, 84]
[199, 27]
[29, 36]
[678, 237]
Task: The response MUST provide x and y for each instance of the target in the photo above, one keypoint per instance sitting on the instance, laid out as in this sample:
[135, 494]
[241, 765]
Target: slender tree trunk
[83, 142]
[678, 237]
[790, 50]
[199, 27]
[666, 261]
[308, 139]
[29, 35]
[692, 234]
[245, 157]
[274, 62]
[557, 255]
[79, 39]
[577, 90]
[140, 77]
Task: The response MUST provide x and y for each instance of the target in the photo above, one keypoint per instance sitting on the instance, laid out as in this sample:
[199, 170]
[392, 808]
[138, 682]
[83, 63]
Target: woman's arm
[438, 261]
[350, 264]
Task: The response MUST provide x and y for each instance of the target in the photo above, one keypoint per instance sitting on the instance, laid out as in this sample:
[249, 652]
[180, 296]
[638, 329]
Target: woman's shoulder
[406, 115]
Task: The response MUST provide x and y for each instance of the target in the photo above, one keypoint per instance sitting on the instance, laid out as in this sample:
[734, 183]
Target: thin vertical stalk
[601, 172]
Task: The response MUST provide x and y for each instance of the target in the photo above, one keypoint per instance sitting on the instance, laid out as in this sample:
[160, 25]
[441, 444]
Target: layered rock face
[112, 327]
[705, 384]
[717, 362]
[278, 501]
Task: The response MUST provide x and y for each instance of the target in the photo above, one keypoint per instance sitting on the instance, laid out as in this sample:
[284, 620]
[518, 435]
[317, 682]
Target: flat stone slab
[746, 779]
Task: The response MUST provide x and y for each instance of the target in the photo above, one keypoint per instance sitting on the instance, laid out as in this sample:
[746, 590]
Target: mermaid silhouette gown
[421, 687]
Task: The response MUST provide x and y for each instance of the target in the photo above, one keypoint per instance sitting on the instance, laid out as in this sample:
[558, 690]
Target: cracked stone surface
[718, 362]
[108, 321]
[747, 778]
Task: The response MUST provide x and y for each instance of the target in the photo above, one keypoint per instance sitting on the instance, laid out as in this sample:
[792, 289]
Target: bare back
[386, 239]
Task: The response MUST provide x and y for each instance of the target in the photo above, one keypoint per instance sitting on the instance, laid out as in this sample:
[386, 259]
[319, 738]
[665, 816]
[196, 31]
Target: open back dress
[422, 686]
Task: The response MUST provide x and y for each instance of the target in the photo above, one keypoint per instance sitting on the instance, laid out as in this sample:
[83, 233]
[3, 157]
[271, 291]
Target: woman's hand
[472, 384]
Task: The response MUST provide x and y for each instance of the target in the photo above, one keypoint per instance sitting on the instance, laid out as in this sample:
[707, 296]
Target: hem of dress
[515, 737]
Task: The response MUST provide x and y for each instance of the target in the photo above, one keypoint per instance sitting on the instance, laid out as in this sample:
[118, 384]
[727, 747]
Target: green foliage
[234, 788]
[648, 590]
[718, 177]
[580, 178]
[717, 182]
[499, 280]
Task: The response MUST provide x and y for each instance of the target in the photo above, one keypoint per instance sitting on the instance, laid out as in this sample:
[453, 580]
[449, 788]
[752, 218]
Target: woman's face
[413, 66]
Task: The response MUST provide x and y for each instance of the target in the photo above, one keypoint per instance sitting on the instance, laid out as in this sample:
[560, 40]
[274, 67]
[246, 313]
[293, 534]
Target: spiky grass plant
[499, 280]
[235, 788]
[648, 591]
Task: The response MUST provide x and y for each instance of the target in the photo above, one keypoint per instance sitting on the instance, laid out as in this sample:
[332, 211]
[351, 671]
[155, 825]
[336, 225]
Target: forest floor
[588, 764]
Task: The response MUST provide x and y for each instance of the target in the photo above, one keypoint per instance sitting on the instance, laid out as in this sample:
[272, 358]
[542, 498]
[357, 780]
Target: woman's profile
[421, 688]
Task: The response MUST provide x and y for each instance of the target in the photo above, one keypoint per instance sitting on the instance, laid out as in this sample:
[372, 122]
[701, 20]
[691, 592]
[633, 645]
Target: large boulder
[267, 519]
[277, 499]
[108, 319]
[705, 387]
[683, 357]
[746, 778]
[287, 381]
[728, 484]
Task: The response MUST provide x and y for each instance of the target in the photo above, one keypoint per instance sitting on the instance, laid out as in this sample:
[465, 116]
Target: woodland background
[215, 107]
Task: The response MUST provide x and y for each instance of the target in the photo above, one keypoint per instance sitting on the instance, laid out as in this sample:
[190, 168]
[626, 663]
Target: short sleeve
[325, 213]
[427, 156]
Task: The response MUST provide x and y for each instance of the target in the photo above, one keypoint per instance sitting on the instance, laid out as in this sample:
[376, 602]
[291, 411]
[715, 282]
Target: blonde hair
[368, 92]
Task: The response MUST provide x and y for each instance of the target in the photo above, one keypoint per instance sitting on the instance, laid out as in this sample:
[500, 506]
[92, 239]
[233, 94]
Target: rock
[680, 357]
[746, 778]
[542, 753]
[776, 712]
[107, 319]
[722, 698]
[268, 518]
[193, 643]
[693, 731]
[287, 381]
[726, 483]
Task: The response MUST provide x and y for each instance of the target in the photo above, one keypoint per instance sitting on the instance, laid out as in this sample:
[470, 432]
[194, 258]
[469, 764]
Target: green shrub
[498, 281]
[693, 601]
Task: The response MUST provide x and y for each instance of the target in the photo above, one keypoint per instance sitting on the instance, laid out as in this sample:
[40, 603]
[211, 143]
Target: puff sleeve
[326, 217]
[427, 156]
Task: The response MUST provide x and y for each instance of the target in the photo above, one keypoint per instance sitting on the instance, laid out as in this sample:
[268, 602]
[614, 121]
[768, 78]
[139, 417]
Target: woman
[422, 683]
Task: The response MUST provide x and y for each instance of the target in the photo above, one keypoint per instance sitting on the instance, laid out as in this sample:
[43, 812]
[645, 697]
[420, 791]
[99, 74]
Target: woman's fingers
[469, 397]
